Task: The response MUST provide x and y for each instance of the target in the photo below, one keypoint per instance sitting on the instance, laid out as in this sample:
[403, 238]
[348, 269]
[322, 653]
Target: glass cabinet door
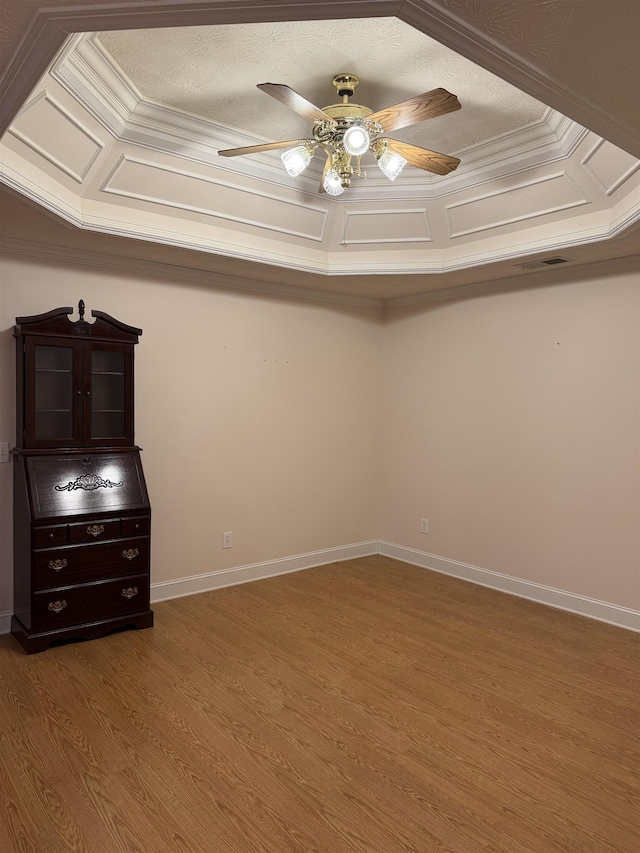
[108, 394]
[53, 376]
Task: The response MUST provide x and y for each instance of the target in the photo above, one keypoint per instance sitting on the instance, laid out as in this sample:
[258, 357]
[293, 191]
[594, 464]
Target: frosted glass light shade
[297, 159]
[356, 140]
[391, 164]
[332, 183]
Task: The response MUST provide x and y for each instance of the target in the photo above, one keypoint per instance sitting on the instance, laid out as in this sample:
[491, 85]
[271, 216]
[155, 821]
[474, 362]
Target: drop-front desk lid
[86, 483]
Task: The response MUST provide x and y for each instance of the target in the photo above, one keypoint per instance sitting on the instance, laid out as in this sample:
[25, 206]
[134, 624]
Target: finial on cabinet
[81, 309]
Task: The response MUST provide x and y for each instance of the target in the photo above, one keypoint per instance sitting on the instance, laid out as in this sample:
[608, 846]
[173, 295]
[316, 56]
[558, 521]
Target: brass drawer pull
[95, 529]
[56, 565]
[130, 591]
[130, 553]
[57, 606]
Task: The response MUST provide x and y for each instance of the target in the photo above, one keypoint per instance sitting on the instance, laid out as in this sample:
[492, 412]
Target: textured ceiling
[213, 72]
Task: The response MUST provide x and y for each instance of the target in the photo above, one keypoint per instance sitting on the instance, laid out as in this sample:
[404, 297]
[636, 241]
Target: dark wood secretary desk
[81, 510]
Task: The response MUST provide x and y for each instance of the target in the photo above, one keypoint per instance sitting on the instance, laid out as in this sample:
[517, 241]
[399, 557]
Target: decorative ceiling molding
[89, 74]
[488, 216]
[180, 273]
[574, 271]
[605, 203]
[213, 187]
[63, 158]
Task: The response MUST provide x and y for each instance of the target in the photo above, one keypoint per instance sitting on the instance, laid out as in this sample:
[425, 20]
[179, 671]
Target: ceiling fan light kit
[390, 162]
[345, 131]
[297, 159]
[332, 184]
[356, 140]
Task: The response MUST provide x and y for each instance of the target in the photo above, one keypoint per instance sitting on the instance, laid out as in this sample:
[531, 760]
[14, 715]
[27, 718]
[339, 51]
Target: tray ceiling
[120, 137]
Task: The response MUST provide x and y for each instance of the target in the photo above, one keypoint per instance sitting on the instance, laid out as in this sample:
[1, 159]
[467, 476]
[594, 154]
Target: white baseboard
[258, 571]
[622, 617]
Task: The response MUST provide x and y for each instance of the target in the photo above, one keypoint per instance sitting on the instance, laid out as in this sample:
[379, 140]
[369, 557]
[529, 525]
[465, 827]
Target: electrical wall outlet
[424, 525]
[226, 540]
[4, 451]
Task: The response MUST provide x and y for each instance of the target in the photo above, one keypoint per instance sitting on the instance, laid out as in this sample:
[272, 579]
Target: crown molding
[89, 75]
[524, 279]
[38, 194]
[139, 266]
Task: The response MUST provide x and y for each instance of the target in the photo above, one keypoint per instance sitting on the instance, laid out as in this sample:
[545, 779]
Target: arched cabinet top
[57, 323]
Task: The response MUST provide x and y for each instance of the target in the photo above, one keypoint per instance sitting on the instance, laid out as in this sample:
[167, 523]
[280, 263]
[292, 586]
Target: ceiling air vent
[547, 262]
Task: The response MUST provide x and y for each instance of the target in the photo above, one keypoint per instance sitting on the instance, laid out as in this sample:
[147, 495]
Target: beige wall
[257, 415]
[510, 422]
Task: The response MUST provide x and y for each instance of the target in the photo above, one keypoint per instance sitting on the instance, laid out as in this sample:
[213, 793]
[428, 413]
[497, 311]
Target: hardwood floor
[365, 706]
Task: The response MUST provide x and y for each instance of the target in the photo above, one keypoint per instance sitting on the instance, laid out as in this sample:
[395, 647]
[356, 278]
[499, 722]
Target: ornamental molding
[89, 74]
[185, 208]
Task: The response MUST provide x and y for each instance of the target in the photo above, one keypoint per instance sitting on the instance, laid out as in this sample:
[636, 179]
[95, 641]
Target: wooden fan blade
[291, 99]
[255, 149]
[431, 104]
[422, 158]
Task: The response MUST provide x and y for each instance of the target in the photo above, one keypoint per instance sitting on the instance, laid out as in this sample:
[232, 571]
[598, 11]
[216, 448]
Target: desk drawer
[47, 537]
[80, 563]
[137, 526]
[94, 531]
[76, 605]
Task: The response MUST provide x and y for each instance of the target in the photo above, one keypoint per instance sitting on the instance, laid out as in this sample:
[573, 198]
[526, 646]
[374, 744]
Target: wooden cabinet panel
[76, 605]
[94, 530]
[136, 526]
[75, 380]
[77, 564]
[47, 537]
[53, 392]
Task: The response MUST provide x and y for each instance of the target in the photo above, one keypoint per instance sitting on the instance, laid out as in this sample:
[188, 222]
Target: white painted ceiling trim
[451, 225]
[87, 146]
[94, 80]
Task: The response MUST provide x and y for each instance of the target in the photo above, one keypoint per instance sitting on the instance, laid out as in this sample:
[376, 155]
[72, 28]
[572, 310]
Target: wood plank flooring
[361, 707]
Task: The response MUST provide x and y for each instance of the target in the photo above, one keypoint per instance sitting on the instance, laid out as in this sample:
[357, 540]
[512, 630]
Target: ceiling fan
[345, 131]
